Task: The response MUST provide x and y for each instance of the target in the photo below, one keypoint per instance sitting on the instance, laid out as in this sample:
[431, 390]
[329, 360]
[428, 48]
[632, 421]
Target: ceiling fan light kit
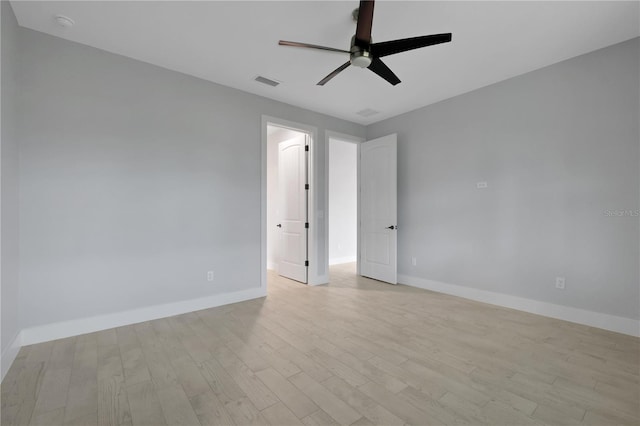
[365, 54]
[360, 58]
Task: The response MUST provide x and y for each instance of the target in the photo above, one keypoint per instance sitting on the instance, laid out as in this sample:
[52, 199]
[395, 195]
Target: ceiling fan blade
[365, 21]
[397, 46]
[310, 46]
[383, 71]
[334, 73]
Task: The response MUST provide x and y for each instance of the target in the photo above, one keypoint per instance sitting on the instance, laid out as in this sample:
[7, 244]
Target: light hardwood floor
[355, 352]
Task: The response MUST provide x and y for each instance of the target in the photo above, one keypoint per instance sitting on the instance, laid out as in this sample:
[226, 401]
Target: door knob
[392, 227]
[279, 225]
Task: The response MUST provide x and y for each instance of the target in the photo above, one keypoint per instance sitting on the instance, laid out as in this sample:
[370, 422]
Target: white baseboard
[272, 265]
[340, 260]
[594, 319]
[60, 330]
[10, 354]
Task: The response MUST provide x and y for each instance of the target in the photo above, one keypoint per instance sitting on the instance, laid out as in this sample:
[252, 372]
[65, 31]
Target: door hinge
[306, 186]
[306, 225]
[306, 263]
[306, 148]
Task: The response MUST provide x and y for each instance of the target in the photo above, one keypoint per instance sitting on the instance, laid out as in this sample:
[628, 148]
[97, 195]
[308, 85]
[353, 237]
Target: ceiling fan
[365, 54]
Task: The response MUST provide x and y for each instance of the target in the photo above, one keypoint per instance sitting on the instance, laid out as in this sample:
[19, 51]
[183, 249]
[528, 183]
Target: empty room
[320, 213]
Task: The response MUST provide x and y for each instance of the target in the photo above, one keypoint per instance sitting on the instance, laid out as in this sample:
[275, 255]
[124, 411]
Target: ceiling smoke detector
[64, 21]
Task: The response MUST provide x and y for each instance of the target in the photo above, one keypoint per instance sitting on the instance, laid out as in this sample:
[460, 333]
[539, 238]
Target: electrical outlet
[481, 185]
[414, 262]
[560, 283]
[209, 275]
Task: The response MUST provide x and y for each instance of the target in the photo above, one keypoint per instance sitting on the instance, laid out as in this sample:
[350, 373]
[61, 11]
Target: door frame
[313, 237]
[328, 135]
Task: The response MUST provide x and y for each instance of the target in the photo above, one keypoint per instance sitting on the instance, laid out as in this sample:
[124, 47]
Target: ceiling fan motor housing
[360, 57]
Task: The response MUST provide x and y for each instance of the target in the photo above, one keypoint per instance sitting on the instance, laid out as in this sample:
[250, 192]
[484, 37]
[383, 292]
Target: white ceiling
[234, 41]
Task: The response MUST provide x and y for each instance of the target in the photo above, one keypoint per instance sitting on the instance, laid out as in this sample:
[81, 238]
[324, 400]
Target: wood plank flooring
[354, 352]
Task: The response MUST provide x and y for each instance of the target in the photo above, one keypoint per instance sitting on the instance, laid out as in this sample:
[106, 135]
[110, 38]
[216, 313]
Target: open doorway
[288, 202]
[342, 171]
[317, 272]
[343, 202]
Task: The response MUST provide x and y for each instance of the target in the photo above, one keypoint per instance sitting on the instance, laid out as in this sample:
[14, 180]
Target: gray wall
[135, 181]
[9, 170]
[558, 147]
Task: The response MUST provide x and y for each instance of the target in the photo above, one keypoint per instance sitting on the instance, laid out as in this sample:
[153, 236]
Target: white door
[292, 194]
[378, 209]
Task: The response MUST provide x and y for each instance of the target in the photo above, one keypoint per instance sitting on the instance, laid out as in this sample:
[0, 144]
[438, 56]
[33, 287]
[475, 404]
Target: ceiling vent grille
[367, 112]
[267, 81]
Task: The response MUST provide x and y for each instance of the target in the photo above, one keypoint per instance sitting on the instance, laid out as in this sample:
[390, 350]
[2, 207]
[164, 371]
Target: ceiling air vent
[367, 112]
[267, 81]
